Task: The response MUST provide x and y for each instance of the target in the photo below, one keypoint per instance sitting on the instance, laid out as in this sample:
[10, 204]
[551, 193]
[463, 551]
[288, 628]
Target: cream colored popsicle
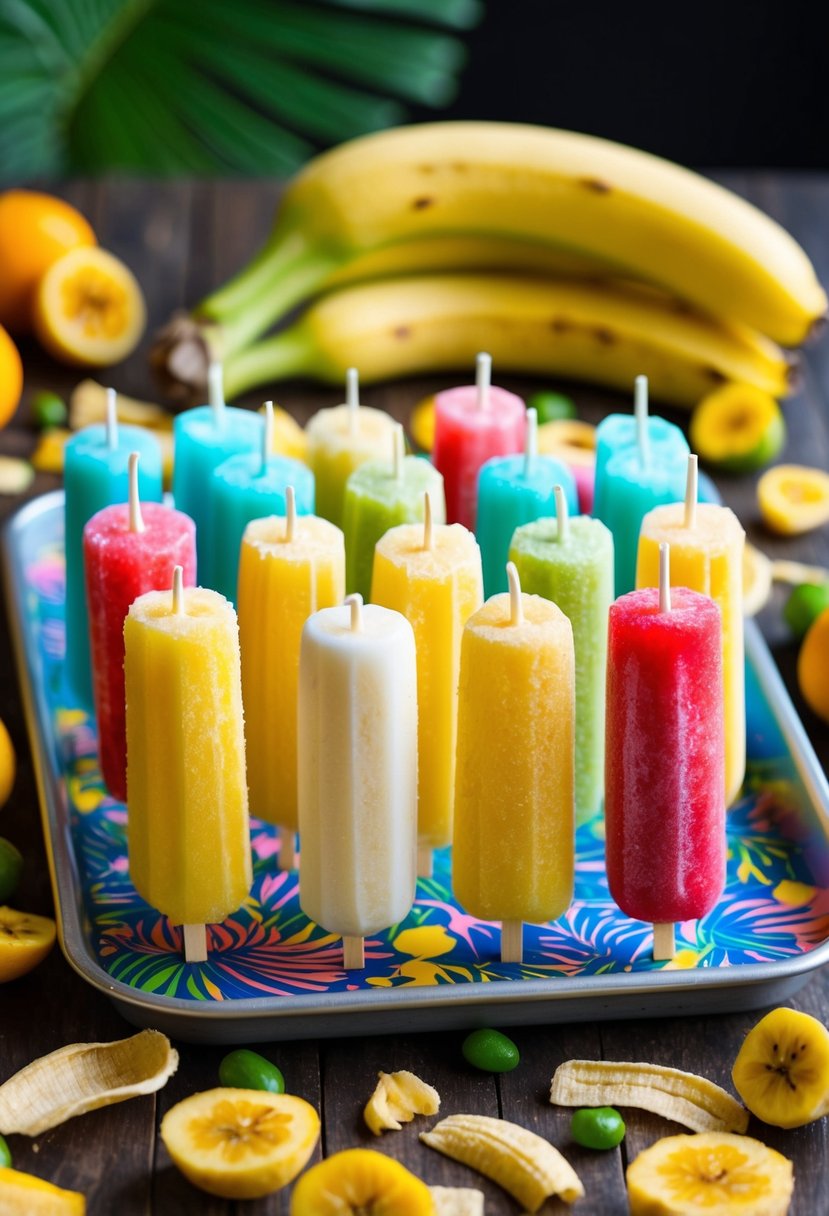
[357, 736]
[187, 833]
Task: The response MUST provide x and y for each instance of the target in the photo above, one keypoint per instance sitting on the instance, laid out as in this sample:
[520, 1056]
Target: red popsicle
[472, 424]
[665, 757]
[128, 550]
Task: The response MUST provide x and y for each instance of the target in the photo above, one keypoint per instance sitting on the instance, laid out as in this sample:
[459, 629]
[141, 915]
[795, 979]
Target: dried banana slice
[457, 1201]
[399, 1096]
[684, 1097]
[82, 1077]
[524, 1164]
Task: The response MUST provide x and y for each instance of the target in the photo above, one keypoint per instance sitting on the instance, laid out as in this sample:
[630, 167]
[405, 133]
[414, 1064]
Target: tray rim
[318, 1008]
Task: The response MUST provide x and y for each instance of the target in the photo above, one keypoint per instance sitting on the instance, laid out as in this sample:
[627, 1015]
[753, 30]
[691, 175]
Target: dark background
[735, 83]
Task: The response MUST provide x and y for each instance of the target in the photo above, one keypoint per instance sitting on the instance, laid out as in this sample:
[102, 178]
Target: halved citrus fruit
[8, 764]
[30, 1196]
[11, 375]
[89, 309]
[360, 1180]
[25, 940]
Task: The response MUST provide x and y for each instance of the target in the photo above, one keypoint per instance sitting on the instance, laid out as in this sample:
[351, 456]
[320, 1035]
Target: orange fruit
[89, 309]
[813, 666]
[35, 230]
[11, 373]
[25, 940]
[8, 764]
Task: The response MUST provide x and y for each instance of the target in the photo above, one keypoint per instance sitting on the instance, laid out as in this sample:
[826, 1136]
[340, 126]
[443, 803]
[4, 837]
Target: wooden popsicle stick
[352, 399]
[664, 577]
[530, 441]
[136, 520]
[287, 849]
[398, 450]
[356, 603]
[216, 392]
[178, 589]
[691, 482]
[512, 941]
[562, 514]
[267, 436]
[664, 945]
[516, 605]
[112, 420]
[483, 378]
[428, 534]
[195, 943]
[640, 413]
[354, 953]
[290, 513]
[425, 861]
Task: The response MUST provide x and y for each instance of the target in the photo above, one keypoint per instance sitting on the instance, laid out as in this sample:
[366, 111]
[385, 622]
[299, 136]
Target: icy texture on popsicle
[339, 441]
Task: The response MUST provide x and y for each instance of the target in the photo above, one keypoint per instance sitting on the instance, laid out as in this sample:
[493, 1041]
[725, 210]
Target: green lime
[49, 409]
[5, 1155]
[245, 1069]
[490, 1051]
[597, 1127]
[11, 867]
[551, 407]
[804, 606]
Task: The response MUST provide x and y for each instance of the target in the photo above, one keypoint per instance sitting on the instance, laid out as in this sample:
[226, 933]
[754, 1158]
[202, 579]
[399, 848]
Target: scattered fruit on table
[784, 571]
[48, 409]
[11, 867]
[712, 1174]
[793, 498]
[597, 1127]
[240, 1143]
[8, 764]
[397, 1098]
[490, 1050]
[5, 1154]
[289, 438]
[89, 309]
[88, 404]
[804, 606]
[520, 1161]
[813, 666]
[15, 475]
[25, 1195]
[82, 1077]
[245, 1069]
[35, 230]
[737, 429]
[693, 1101]
[48, 455]
[359, 1180]
[11, 377]
[757, 580]
[782, 1069]
[551, 407]
[25, 940]
[422, 424]
[457, 1201]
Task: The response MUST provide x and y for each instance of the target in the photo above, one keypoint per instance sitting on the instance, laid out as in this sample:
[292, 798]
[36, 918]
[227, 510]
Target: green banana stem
[286, 354]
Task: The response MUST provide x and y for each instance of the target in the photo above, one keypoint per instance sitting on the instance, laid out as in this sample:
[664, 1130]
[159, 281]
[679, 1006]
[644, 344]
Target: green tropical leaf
[179, 86]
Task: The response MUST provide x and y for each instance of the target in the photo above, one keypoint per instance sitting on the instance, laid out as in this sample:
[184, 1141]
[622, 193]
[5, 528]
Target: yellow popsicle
[514, 785]
[432, 575]
[288, 568]
[188, 837]
[707, 556]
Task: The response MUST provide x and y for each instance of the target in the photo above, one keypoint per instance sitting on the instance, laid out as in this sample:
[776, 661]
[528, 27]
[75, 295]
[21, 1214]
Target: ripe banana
[782, 1069]
[687, 1099]
[569, 328]
[524, 1164]
[398, 1097]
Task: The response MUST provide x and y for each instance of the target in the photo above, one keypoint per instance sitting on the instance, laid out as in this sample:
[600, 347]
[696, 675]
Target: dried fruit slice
[782, 1069]
[457, 1201]
[711, 1174]
[240, 1143]
[89, 309]
[398, 1097]
[24, 1195]
[793, 498]
[693, 1101]
[25, 940]
[524, 1164]
[359, 1181]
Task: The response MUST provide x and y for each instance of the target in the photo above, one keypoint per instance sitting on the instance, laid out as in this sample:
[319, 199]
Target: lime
[49, 409]
[597, 1127]
[244, 1069]
[805, 605]
[551, 407]
[5, 1155]
[490, 1051]
[11, 865]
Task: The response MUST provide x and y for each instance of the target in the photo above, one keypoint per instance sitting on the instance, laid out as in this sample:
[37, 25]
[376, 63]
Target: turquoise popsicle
[514, 490]
[380, 495]
[204, 438]
[95, 475]
[570, 561]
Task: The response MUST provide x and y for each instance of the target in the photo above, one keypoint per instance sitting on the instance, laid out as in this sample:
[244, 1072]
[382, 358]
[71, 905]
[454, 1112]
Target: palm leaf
[245, 87]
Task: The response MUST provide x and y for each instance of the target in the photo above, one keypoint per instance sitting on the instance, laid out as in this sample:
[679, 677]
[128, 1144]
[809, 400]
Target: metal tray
[272, 974]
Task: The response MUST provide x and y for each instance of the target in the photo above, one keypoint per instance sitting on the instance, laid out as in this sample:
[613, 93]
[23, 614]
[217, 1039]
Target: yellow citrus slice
[422, 424]
[11, 377]
[738, 428]
[757, 580]
[359, 1180]
[89, 309]
[7, 764]
[793, 498]
[240, 1143]
[25, 940]
[24, 1195]
[813, 666]
[570, 439]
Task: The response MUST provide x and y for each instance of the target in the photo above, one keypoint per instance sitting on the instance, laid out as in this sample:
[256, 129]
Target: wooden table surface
[181, 239]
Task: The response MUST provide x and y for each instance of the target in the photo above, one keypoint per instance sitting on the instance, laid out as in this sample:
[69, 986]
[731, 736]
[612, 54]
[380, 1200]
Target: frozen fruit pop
[665, 757]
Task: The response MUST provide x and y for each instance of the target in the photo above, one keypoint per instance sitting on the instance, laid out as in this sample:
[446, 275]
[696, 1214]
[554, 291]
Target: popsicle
[288, 569]
[431, 573]
[250, 485]
[204, 437]
[570, 561]
[339, 441]
[514, 490]
[665, 761]
[706, 543]
[514, 790]
[95, 474]
[378, 496]
[472, 424]
[357, 771]
[187, 826]
[128, 550]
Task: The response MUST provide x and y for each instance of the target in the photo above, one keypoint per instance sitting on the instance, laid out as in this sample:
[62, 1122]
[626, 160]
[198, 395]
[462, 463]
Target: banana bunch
[548, 222]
